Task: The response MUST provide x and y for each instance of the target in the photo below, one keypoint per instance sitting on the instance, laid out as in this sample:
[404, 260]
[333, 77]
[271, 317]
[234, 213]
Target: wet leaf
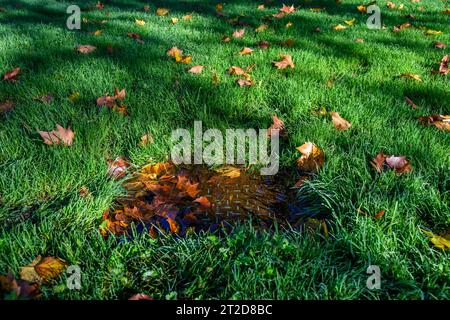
[118, 167]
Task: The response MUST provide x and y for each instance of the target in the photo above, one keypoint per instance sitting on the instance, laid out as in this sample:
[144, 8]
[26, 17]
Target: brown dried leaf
[286, 61]
[59, 136]
[312, 158]
[339, 122]
[85, 48]
[12, 75]
[196, 69]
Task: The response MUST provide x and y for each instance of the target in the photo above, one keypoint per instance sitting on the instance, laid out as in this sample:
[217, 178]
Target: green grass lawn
[42, 212]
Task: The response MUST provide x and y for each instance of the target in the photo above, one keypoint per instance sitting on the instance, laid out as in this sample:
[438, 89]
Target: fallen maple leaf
[378, 161]
[400, 164]
[231, 172]
[117, 168]
[18, 289]
[196, 69]
[162, 11]
[287, 43]
[287, 9]
[174, 50]
[244, 82]
[43, 270]
[238, 33]
[362, 9]
[441, 122]
[359, 40]
[183, 59]
[286, 61]
[85, 48]
[246, 50]
[262, 27]
[278, 15]
[97, 32]
[278, 124]
[312, 158]
[339, 122]
[140, 296]
[146, 138]
[350, 22]
[6, 106]
[439, 45]
[261, 7]
[411, 76]
[135, 36]
[288, 25]
[263, 44]
[139, 22]
[187, 17]
[443, 66]
[73, 97]
[174, 20]
[219, 7]
[235, 70]
[379, 215]
[390, 5]
[226, 39]
[339, 27]
[431, 32]
[411, 103]
[46, 98]
[12, 75]
[58, 136]
[99, 5]
[110, 101]
[441, 242]
[203, 201]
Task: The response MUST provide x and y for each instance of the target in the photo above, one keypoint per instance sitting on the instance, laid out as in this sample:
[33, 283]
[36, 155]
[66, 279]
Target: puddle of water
[164, 198]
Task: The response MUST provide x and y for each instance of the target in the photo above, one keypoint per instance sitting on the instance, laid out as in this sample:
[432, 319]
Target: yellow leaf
[339, 27]
[362, 9]
[183, 59]
[219, 7]
[440, 242]
[229, 171]
[289, 24]
[350, 22]
[43, 270]
[74, 97]
[262, 28]
[187, 17]
[162, 11]
[174, 20]
[140, 22]
[411, 76]
[315, 9]
[97, 32]
[431, 32]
